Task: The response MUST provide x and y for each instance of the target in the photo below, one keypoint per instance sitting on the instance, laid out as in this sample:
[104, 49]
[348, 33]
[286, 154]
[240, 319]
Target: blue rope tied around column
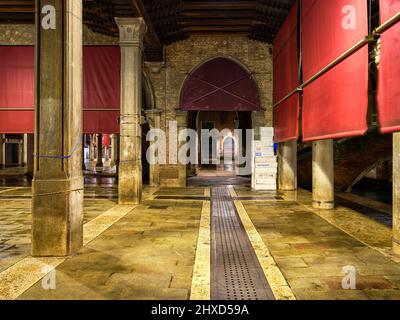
[59, 157]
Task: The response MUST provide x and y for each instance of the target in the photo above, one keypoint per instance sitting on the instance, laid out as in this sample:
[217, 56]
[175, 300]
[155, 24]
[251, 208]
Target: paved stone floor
[160, 249]
[15, 221]
[311, 248]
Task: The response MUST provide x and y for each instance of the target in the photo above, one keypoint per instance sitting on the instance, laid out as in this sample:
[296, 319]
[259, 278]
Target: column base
[57, 211]
[130, 184]
[323, 205]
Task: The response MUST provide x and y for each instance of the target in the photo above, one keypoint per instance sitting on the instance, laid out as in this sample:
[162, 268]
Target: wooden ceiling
[169, 21]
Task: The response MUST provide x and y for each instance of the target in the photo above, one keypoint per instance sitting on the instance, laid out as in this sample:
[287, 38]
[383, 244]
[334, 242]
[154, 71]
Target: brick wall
[184, 56]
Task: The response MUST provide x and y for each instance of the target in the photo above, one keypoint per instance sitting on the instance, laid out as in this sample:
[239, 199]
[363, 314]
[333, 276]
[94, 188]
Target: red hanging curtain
[389, 70]
[17, 76]
[335, 105]
[101, 89]
[220, 84]
[286, 79]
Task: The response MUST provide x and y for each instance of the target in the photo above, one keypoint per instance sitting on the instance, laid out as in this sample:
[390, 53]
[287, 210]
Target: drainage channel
[236, 273]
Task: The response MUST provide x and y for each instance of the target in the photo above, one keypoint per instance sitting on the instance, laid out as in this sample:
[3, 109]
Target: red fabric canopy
[17, 74]
[286, 79]
[101, 89]
[220, 85]
[335, 105]
[388, 9]
[389, 70]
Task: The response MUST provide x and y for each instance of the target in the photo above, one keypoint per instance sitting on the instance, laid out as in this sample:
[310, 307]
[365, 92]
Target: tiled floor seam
[8, 190]
[280, 287]
[36, 269]
[201, 280]
[379, 250]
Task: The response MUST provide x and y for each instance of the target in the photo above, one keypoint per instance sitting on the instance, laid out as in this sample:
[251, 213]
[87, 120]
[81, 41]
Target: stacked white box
[265, 165]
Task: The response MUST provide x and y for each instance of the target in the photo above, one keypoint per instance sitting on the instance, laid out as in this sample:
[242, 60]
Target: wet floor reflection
[98, 185]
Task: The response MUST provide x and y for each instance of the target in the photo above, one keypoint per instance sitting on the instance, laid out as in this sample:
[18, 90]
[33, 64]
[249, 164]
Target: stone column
[181, 118]
[154, 117]
[99, 145]
[323, 175]
[396, 194]
[58, 181]
[287, 157]
[21, 154]
[131, 31]
[25, 152]
[91, 150]
[118, 151]
[30, 151]
[83, 151]
[114, 150]
[2, 151]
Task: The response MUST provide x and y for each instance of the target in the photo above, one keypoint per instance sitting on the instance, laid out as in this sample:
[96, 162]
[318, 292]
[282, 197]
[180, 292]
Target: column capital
[131, 31]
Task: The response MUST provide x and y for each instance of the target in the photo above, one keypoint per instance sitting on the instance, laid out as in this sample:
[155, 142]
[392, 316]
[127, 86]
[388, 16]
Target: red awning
[389, 70]
[334, 105]
[286, 79]
[101, 89]
[286, 119]
[17, 74]
[220, 85]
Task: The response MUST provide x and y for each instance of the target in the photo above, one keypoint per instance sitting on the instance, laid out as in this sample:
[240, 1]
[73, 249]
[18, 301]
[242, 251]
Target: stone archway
[220, 84]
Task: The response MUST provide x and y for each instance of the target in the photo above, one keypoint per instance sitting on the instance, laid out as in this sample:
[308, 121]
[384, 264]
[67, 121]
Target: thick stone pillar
[2, 151]
[131, 31]
[99, 145]
[58, 182]
[287, 157]
[323, 175]
[114, 150]
[396, 193]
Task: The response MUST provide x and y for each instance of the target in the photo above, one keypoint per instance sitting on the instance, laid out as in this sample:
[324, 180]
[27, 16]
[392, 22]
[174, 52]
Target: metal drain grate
[236, 272]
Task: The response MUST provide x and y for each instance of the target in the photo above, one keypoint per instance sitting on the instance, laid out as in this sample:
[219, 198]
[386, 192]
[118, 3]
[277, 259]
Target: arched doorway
[220, 94]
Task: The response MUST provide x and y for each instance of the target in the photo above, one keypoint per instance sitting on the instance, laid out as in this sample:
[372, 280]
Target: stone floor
[311, 248]
[159, 250]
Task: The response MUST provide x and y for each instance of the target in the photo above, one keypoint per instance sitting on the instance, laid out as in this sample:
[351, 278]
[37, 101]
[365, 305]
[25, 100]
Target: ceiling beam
[140, 11]
[218, 5]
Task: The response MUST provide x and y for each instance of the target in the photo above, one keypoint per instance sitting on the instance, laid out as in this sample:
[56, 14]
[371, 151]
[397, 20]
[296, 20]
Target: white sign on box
[265, 171]
[264, 153]
[269, 159]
